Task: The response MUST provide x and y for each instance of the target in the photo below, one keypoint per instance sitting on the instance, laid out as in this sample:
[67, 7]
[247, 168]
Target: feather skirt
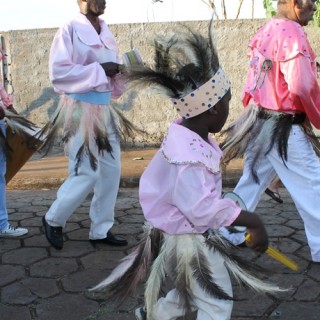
[184, 259]
[261, 134]
[22, 127]
[94, 122]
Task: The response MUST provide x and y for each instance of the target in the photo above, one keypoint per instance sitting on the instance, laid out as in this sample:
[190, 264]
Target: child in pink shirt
[181, 198]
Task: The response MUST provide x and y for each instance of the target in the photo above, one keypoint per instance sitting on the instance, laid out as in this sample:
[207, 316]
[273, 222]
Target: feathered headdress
[186, 69]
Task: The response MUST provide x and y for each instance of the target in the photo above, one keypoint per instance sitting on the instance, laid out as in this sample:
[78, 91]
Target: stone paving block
[7, 244]
[30, 208]
[42, 202]
[83, 280]
[279, 230]
[127, 203]
[24, 256]
[128, 229]
[296, 311]
[80, 234]
[42, 288]
[9, 273]
[252, 307]
[66, 307]
[14, 312]
[18, 216]
[308, 291]
[285, 245]
[74, 249]
[132, 218]
[9, 294]
[102, 260]
[295, 224]
[314, 271]
[31, 222]
[273, 219]
[36, 241]
[53, 267]
[71, 227]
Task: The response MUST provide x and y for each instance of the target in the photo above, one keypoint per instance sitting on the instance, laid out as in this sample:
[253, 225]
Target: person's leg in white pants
[74, 189]
[105, 191]
[104, 181]
[301, 178]
[300, 175]
[208, 307]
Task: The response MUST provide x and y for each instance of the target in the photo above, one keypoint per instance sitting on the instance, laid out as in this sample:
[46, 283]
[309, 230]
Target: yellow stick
[277, 255]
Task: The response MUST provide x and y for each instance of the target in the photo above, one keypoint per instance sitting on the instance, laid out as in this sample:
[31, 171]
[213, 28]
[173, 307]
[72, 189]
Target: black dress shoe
[53, 234]
[112, 240]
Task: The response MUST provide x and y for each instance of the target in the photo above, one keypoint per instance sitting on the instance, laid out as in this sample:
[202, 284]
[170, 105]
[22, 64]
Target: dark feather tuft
[203, 275]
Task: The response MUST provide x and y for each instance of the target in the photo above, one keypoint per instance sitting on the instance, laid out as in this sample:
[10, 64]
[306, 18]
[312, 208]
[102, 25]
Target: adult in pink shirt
[282, 99]
[84, 68]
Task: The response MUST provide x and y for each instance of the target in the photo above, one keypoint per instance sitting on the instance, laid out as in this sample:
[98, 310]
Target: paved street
[38, 282]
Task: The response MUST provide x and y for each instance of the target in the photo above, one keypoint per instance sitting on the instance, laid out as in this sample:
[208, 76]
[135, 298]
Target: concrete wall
[27, 70]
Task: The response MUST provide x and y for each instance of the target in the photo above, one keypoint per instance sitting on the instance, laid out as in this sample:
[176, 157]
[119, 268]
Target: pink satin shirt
[291, 83]
[75, 57]
[180, 190]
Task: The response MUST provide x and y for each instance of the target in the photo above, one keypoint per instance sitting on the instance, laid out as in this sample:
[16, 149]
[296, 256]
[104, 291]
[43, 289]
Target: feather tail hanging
[203, 275]
[157, 276]
[127, 129]
[133, 269]
[237, 134]
[184, 273]
[238, 267]
[281, 135]
[25, 129]
[50, 132]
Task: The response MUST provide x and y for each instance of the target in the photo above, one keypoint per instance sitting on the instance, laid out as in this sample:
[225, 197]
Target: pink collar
[183, 146]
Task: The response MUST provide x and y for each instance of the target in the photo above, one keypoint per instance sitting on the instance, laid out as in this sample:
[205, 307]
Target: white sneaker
[11, 231]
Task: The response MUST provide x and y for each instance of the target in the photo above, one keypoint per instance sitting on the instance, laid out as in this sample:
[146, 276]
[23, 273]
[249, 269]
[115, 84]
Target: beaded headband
[204, 97]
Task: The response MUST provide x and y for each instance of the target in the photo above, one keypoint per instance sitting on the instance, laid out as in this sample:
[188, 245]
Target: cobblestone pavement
[39, 282]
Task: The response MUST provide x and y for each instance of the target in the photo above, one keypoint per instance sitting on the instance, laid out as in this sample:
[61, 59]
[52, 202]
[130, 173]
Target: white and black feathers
[186, 259]
[261, 130]
[22, 127]
[93, 124]
[182, 63]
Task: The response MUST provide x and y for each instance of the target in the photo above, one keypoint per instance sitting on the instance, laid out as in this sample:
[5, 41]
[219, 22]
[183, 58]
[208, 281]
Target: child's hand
[257, 239]
[258, 236]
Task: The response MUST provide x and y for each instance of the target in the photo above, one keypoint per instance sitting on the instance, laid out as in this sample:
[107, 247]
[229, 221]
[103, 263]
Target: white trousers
[104, 182]
[208, 307]
[301, 177]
